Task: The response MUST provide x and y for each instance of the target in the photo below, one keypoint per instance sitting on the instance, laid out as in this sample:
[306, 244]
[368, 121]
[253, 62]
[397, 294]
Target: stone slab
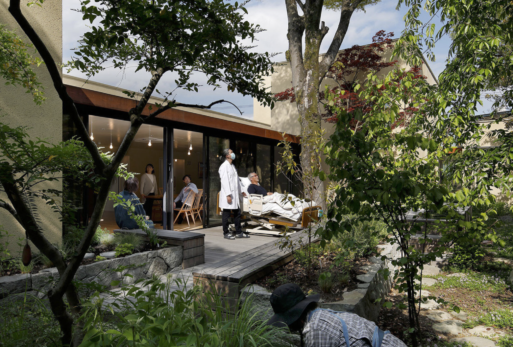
[108, 255]
[428, 282]
[88, 256]
[430, 305]
[461, 315]
[451, 327]
[476, 341]
[431, 270]
[439, 316]
[484, 331]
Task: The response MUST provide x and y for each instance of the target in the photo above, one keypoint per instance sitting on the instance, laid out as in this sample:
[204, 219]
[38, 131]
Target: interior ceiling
[101, 128]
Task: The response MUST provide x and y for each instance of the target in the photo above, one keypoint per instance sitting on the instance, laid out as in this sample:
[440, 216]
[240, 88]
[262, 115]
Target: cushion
[245, 182]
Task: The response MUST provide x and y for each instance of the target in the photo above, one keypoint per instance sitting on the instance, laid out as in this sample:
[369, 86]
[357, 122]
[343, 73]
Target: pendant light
[111, 139]
[190, 148]
[92, 136]
[149, 133]
[189, 153]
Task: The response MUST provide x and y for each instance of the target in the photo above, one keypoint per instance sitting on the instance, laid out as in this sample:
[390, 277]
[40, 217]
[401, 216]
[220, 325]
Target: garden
[415, 230]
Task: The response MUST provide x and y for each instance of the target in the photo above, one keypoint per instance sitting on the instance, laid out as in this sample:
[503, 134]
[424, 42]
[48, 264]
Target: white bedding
[288, 206]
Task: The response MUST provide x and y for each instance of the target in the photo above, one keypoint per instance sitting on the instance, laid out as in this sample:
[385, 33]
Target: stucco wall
[18, 109]
[284, 116]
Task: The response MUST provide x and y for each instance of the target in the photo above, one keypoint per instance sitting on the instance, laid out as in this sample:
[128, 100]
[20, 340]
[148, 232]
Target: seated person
[180, 199]
[255, 187]
[123, 220]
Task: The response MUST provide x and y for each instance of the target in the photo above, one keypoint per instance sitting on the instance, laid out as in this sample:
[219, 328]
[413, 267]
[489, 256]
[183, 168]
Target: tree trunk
[307, 75]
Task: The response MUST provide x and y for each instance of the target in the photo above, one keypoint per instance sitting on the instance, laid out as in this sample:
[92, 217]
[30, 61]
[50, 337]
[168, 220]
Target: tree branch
[296, 28]
[343, 24]
[301, 5]
[203, 107]
[9, 209]
[68, 104]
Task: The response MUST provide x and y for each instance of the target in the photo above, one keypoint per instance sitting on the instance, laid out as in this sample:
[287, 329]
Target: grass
[133, 239]
[502, 319]
[472, 281]
[442, 343]
[505, 341]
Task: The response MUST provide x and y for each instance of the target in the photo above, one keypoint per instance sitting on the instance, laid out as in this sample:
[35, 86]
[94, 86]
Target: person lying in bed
[255, 187]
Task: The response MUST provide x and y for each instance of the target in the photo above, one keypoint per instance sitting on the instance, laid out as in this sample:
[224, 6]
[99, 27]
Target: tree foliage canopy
[181, 36]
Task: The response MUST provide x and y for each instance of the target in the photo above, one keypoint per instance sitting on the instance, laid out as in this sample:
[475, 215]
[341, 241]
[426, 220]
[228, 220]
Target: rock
[439, 316]
[260, 304]
[363, 285]
[461, 316]
[482, 330]
[476, 341]
[108, 255]
[371, 268]
[430, 304]
[172, 256]
[424, 294]
[367, 278]
[451, 327]
[15, 284]
[92, 270]
[88, 256]
[458, 274]
[157, 268]
[428, 282]
[431, 270]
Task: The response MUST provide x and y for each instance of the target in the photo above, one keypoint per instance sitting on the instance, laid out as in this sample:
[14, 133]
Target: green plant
[27, 321]
[505, 341]
[99, 258]
[26, 269]
[500, 319]
[151, 313]
[472, 281]
[344, 278]
[99, 235]
[363, 237]
[45, 261]
[124, 249]
[128, 238]
[5, 254]
[467, 257]
[326, 282]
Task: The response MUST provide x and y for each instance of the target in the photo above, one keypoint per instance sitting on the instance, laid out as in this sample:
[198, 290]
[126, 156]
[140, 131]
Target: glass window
[245, 161]
[216, 146]
[280, 181]
[263, 166]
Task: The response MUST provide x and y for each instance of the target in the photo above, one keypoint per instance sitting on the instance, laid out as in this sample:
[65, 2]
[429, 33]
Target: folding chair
[197, 206]
[186, 207]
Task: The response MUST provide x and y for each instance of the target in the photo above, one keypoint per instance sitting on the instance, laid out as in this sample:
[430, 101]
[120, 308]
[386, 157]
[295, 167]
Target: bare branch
[9, 208]
[203, 107]
[68, 104]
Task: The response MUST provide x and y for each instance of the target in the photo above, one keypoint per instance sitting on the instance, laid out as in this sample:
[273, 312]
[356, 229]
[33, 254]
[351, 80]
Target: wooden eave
[93, 98]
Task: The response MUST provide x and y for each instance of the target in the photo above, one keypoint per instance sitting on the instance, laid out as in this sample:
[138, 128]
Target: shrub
[151, 313]
[467, 257]
[363, 237]
[99, 236]
[99, 258]
[124, 249]
[326, 282]
[133, 239]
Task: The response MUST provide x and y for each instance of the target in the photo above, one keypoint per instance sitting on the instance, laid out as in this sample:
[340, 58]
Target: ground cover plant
[153, 313]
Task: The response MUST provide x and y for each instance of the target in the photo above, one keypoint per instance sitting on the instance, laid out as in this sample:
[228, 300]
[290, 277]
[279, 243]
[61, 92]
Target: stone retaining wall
[360, 301]
[139, 266]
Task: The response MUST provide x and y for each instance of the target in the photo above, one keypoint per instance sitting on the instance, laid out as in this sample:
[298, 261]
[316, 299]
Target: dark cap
[289, 302]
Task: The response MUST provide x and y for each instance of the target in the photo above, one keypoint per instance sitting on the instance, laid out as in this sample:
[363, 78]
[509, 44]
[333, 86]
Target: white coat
[230, 186]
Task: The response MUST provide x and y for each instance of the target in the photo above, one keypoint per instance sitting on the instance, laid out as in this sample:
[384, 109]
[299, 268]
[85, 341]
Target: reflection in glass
[263, 165]
[215, 159]
[245, 158]
[280, 180]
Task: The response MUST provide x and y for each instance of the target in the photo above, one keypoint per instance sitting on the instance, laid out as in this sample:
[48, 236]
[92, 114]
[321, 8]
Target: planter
[360, 301]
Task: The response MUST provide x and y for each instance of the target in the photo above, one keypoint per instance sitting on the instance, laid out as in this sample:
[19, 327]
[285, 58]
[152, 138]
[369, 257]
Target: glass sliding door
[216, 146]
[245, 161]
[281, 182]
[263, 166]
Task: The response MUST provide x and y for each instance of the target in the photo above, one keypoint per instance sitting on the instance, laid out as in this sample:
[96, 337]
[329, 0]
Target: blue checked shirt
[324, 329]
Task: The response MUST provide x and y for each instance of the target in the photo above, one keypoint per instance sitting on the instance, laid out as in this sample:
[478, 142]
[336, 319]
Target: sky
[270, 15]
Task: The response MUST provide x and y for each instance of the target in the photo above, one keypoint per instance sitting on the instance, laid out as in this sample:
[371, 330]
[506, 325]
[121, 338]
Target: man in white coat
[230, 198]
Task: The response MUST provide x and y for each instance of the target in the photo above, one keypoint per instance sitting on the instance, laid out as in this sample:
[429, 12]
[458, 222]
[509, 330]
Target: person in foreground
[230, 197]
[321, 327]
[255, 187]
[182, 197]
[123, 220]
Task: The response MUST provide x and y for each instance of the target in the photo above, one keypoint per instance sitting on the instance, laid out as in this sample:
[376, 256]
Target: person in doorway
[324, 328]
[148, 188]
[180, 199]
[255, 187]
[230, 197]
[123, 220]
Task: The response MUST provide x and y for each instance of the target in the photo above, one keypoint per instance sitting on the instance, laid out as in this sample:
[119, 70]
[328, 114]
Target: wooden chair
[197, 206]
[186, 207]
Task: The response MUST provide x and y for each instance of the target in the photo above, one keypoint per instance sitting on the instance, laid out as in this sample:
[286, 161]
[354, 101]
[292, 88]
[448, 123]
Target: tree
[350, 69]
[308, 72]
[161, 36]
[386, 172]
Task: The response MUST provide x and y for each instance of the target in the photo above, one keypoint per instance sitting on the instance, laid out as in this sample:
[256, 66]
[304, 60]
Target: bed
[274, 214]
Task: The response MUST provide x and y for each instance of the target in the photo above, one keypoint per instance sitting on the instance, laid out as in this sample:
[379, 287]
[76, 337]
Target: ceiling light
[149, 135]
[92, 136]
[111, 146]
[190, 148]
[149, 143]
[189, 153]
[176, 160]
[111, 139]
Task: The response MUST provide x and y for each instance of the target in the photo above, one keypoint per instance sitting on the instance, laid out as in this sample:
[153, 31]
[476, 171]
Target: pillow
[245, 182]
